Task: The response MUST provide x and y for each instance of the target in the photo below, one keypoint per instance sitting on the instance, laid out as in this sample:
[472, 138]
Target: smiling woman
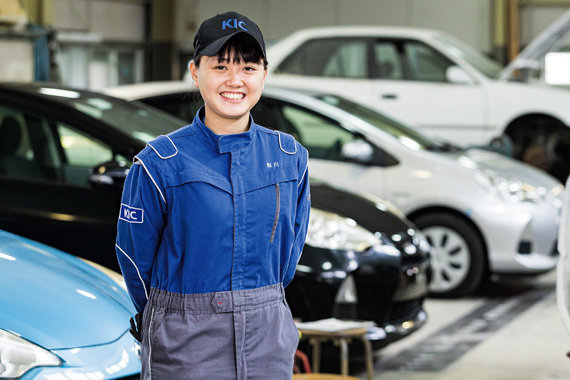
[222, 208]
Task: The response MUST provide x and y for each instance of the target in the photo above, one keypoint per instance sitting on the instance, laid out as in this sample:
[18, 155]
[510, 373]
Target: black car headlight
[332, 231]
[18, 356]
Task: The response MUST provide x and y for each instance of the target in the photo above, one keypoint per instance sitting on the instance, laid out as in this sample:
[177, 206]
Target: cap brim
[214, 47]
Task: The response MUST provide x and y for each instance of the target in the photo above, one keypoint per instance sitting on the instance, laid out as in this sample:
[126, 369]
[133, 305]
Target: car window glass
[82, 153]
[329, 57]
[183, 106]
[462, 50]
[27, 147]
[425, 63]
[387, 61]
[322, 137]
[134, 118]
[347, 61]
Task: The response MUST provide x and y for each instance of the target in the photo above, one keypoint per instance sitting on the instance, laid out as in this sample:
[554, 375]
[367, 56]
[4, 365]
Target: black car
[64, 155]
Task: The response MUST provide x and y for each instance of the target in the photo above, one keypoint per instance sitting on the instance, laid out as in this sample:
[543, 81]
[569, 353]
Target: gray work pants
[243, 334]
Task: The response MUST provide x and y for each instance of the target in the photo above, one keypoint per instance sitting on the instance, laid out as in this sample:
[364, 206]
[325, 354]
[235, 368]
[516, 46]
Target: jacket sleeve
[140, 226]
[301, 220]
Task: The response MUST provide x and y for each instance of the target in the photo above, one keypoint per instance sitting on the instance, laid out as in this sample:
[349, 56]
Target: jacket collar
[222, 143]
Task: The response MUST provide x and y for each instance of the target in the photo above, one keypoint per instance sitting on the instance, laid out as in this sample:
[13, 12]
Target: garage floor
[507, 331]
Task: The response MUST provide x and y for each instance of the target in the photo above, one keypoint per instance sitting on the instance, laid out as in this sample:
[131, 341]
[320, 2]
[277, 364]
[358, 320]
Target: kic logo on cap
[131, 214]
[234, 24]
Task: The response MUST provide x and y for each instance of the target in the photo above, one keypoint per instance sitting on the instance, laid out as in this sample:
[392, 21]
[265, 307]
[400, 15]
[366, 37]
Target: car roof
[148, 89]
[346, 30]
[151, 89]
[47, 90]
[306, 98]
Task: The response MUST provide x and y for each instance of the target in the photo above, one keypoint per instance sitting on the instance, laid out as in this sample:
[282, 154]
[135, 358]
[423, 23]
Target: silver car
[481, 212]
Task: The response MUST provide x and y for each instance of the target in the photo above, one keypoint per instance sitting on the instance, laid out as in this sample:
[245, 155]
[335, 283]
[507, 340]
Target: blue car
[62, 318]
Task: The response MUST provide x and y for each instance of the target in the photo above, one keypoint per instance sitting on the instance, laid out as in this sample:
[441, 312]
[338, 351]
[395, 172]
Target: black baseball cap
[216, 31]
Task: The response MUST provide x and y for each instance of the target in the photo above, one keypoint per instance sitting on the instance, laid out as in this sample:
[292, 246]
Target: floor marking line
[439, 350]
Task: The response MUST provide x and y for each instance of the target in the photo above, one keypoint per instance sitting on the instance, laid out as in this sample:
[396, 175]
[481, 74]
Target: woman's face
[230, 90]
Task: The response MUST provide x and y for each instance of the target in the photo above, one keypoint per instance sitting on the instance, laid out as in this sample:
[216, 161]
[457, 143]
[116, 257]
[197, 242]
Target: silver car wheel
[450, 258]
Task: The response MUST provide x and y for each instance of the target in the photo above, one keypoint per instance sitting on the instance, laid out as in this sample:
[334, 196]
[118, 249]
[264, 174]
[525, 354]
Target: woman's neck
[224, 126]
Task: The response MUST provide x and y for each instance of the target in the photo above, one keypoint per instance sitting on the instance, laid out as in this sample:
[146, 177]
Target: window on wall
[98, 67]
[329, 57]
[425, 63]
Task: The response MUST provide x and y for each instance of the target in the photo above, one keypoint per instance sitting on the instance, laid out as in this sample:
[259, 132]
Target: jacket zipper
[278, 208]
[234, 228]
[149, 346]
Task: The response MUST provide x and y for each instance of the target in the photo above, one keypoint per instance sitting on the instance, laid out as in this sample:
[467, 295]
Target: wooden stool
[340, 338]
[320, 376]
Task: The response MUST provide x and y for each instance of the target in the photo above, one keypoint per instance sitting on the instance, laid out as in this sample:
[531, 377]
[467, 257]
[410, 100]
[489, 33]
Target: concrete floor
[523, 338]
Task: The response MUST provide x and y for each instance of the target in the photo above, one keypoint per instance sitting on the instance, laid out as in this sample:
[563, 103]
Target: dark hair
[244, 48]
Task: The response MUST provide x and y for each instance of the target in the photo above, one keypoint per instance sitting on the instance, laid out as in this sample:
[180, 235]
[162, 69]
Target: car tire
[457, 254]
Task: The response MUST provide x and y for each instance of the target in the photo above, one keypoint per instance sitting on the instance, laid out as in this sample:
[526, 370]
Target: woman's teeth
[232, 96]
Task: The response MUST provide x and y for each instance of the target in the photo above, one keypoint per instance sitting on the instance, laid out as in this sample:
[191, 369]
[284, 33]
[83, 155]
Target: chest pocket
[270, 199]
[174, 179]
[194, 195]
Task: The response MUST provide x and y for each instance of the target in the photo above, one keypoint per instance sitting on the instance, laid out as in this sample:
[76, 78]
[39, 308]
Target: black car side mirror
[109, 174]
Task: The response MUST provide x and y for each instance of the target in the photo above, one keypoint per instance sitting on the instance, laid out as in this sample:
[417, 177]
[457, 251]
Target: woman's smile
[234, 97]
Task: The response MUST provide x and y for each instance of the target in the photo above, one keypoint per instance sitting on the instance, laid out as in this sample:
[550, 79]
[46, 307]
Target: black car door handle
[389, 96]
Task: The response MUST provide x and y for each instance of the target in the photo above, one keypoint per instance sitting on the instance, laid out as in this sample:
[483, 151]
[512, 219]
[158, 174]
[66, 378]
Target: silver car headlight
[509, 189]
[18, 356]
[332, 231]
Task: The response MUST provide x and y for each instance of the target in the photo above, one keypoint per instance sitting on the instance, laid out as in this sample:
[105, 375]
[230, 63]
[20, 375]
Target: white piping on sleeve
[172, 155]
[153, 181]
[305, 172]
[279, 134]
[135, 265]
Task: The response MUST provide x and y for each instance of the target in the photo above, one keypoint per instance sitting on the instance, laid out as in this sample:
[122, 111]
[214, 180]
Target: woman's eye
[220, 67]
[249, 68]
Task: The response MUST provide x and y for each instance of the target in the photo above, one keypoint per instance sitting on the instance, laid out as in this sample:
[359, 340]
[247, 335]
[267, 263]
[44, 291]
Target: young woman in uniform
[213, 220]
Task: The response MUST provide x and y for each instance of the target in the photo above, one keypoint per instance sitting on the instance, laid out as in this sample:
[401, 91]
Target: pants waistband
[218, 302]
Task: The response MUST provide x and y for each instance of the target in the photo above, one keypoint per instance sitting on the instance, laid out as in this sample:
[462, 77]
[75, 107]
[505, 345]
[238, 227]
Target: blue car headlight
[18, 356]
[509, 189]
[332, 231]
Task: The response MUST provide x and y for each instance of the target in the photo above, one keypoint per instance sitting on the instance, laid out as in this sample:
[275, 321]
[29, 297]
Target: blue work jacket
[203, 213]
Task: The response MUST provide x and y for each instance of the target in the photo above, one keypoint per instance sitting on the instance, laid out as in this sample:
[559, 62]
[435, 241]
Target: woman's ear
[264, 78]
[194, 74]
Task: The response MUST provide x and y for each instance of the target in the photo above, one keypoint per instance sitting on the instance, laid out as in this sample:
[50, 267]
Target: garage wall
[534, 18]
[467, 19]
[113, 20]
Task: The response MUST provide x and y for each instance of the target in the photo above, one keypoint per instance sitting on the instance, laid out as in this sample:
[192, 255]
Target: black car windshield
[135, 118]
[406, 136]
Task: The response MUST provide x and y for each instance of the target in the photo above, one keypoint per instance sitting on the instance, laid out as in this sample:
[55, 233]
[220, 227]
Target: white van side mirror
[455, 74]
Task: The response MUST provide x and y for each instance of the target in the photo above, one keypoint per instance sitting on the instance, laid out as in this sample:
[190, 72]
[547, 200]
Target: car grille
[345, 311]
[402, 311]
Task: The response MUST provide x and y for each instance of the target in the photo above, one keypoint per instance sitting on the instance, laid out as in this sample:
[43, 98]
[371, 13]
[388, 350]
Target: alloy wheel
[450, 258]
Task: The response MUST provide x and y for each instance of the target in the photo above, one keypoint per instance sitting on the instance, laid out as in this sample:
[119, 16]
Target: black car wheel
[457, 254]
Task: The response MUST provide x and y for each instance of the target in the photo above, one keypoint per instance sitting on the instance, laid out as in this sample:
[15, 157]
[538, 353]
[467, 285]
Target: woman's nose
[234, 78]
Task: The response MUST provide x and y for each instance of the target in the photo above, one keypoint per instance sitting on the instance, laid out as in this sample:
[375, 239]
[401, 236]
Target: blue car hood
[55, 300]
